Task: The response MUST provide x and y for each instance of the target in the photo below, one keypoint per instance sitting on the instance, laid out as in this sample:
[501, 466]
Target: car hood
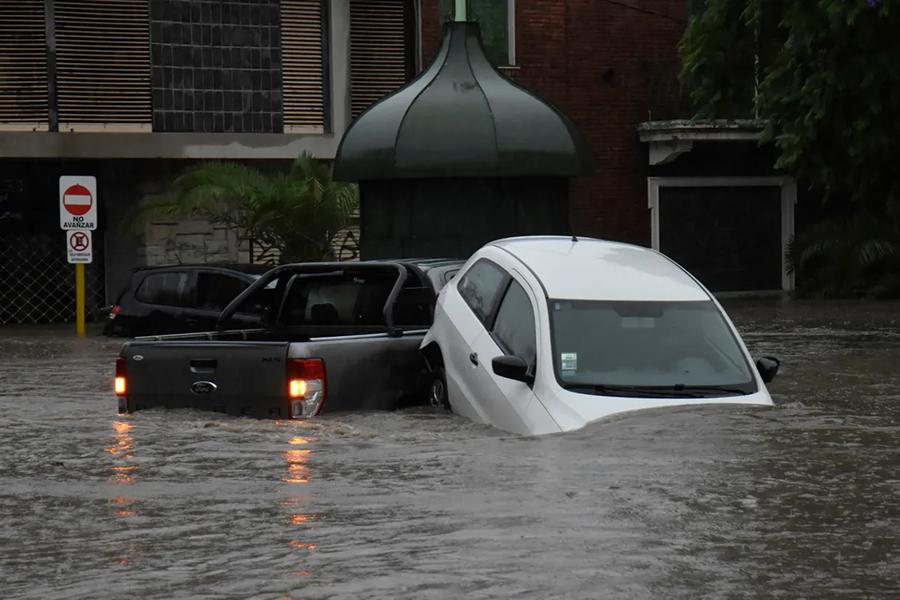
[572, 410]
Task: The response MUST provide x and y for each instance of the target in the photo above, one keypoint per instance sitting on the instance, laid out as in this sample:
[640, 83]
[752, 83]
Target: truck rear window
[344, 299]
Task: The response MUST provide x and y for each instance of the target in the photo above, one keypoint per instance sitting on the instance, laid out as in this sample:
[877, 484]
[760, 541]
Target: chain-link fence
[37, 284]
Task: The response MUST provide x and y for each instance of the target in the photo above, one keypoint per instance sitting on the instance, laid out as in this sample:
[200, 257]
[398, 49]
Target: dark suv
[180, 299]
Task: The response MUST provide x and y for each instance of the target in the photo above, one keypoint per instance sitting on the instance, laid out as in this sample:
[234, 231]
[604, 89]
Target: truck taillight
[121, 383]
[306, 386]
[114, 311]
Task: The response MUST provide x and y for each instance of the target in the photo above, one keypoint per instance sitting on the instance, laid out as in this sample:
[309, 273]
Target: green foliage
[828, 85]
[843, 257]
[294, 215]
[824, 75]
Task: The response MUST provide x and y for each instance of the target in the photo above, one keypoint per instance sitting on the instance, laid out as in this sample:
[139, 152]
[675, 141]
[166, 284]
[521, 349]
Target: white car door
[506, 403]
[468, 304]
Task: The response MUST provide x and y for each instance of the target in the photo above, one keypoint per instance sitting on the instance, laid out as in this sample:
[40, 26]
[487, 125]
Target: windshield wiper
[678, 390]
[636, 391]
[734, 390]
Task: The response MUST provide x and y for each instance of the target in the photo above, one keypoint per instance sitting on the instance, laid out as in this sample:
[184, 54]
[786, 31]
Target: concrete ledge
[239, 146]
[709, 130]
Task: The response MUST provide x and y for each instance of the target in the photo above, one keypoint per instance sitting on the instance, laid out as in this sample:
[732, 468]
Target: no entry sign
[79, 246]
[77, 202]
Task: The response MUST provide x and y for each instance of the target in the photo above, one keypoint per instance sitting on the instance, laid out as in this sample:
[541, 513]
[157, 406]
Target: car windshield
[607, 348]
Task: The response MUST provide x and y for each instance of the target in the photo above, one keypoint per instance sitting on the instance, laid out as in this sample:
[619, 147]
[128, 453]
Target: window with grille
[23, 65]
[303, 38]
[381, 49]
[103, 64]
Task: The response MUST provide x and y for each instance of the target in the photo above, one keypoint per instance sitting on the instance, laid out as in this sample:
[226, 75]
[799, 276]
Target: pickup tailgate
[238, 378]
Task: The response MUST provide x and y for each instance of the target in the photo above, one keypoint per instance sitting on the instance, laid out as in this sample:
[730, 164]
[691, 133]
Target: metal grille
[303, 77]
[37, 284]
[379, 50]
[103, 64]
[23, 65]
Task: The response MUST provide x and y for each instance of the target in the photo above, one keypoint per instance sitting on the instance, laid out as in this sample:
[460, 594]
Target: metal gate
[37, 284]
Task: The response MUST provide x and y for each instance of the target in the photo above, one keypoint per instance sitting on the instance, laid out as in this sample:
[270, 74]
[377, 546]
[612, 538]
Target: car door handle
[473, 358]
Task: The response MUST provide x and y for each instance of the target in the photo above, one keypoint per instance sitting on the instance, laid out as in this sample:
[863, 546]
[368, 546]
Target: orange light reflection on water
[121, 447]
[123, 506]
[299, 519]
[122, 443]
[298, 470]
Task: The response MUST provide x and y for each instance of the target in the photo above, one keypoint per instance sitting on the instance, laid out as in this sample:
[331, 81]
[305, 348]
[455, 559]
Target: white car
[540, 335]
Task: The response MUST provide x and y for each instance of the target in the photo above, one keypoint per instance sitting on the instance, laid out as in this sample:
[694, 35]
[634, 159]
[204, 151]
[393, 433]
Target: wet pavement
[799, 501]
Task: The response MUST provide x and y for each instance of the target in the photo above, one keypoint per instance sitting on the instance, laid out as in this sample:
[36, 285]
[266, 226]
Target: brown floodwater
[798, 501]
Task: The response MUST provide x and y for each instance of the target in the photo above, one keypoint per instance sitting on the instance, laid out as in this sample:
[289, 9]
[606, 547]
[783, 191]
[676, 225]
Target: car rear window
[169, 289]
[216, 290]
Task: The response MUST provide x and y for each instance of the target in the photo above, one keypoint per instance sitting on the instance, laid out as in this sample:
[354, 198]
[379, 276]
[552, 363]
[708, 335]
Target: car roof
[591, 269]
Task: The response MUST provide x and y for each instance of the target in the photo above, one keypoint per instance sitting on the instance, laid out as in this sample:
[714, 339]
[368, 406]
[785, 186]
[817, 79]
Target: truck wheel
[437, 395]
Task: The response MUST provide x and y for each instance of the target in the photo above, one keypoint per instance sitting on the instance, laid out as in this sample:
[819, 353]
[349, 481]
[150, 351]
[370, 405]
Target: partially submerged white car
[539, 335]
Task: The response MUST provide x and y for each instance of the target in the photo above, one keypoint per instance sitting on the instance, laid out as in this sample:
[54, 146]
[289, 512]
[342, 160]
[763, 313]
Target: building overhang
[667, 140]
[142, 145]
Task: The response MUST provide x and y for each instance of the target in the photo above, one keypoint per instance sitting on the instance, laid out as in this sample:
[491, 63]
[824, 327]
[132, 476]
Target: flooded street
[799, 501]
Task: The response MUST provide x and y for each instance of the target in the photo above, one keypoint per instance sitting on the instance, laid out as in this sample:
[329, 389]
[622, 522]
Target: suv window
[216, 290]
[481, 286]
[514, 327]
[169, 289]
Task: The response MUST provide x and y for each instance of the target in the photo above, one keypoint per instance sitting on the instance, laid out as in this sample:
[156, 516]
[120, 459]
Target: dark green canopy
[461, 118]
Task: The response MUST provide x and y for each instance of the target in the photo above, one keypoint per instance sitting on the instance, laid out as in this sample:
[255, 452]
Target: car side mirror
[512, 367]
[768, 368]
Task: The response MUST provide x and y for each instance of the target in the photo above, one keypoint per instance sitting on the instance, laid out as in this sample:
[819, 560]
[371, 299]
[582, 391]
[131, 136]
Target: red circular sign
[78, 200]
[79, 241]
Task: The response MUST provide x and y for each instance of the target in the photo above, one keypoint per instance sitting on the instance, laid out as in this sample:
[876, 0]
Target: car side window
[480, 287]
[168, 289]
[514, 327]
[216, 290]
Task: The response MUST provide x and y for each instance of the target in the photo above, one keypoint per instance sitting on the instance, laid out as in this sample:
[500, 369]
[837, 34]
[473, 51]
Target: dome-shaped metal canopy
[461, 118]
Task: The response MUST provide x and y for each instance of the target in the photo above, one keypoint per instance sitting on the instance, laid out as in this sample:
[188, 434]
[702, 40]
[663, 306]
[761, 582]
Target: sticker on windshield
[569, 361]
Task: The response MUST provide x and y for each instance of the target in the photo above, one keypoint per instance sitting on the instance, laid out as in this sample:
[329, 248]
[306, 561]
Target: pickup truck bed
[372, 364]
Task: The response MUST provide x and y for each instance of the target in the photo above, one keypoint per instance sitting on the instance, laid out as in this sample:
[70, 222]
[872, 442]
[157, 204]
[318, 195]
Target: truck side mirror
[768, 368]
[512, 367]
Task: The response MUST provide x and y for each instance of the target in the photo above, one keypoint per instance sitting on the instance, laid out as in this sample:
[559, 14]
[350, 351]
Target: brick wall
[604, 64]
[216, 66]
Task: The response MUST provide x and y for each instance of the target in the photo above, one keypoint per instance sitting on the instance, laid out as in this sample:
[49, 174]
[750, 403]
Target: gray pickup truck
[332, 337]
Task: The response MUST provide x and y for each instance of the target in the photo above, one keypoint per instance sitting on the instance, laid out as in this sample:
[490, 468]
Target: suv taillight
[306, 386]
[114, 311]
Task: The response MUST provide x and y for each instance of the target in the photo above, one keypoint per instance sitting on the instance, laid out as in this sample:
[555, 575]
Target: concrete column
[339, 62]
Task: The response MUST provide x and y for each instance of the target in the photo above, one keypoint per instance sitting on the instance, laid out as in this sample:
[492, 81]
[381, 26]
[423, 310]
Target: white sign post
[80, 247]
[78, 202]
[78, 217]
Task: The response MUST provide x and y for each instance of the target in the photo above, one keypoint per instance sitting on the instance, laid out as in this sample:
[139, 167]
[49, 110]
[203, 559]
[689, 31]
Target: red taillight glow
[114, 311]
[306, 386]
[121, 384]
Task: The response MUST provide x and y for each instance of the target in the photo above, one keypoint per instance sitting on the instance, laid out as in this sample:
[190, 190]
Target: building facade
[131, 91]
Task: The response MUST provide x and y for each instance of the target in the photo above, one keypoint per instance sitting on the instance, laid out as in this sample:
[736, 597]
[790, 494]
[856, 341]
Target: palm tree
[292, 216]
